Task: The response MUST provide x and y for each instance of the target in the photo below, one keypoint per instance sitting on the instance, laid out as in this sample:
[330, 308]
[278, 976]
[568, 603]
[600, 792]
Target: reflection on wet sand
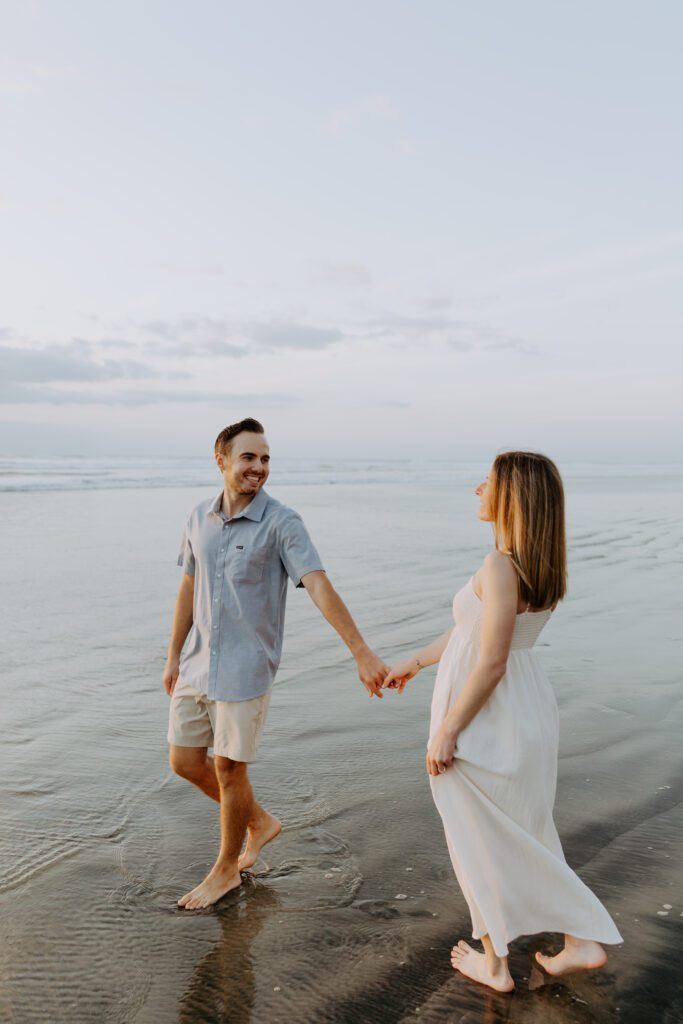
[429, 992]
[223, 986]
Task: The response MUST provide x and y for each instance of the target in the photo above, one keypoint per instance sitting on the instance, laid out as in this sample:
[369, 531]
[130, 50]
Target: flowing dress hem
[501, 949]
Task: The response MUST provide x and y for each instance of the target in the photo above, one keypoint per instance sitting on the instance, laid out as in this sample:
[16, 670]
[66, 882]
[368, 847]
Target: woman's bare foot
[474, 965]
[216, 884]
[577, 955]
[267, 829]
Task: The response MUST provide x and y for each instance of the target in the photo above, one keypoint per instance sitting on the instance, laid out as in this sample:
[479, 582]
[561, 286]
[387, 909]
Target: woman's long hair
[527, 506]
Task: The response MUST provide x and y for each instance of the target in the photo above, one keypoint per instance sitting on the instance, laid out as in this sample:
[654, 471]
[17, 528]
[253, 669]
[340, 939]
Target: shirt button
[222, 550]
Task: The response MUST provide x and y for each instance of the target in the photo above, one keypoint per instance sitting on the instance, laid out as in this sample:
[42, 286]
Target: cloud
[408, 148]
[409, 327]
[291, 335]
[195, 269]
[20, 79]
[120, 343]
[211, 336]
[526, 348]
[31, 394]
[377, 106]
[162, 328]
[59, 374]
[613, 258]
[437, 300]
[409, 322]
[460, 335]
[344, 275]
[29, 373]
[71, 362]
[201, 347]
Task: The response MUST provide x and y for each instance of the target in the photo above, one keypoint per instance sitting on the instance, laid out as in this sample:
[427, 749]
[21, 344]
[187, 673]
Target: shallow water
[352, 912]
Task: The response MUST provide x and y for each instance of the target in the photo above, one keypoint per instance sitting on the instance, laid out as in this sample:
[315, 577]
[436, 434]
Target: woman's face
[482, 493]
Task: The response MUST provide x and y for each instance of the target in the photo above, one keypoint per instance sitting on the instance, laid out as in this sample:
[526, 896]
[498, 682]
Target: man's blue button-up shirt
[240, 568]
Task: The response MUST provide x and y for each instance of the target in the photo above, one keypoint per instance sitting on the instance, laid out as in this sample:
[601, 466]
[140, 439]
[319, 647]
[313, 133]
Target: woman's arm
[499, 597]
[400, 674]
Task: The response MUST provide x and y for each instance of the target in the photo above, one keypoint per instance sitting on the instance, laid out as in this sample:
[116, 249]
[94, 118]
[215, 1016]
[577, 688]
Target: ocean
[350, 914]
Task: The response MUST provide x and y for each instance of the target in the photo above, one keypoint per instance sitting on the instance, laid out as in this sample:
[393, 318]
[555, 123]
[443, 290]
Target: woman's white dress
[496, 800]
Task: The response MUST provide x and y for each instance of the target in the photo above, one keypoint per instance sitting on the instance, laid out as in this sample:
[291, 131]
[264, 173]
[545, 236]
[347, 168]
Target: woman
[492, 756]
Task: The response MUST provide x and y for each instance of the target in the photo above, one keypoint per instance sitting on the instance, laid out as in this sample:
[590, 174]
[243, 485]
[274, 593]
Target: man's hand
[170, 674]
[371, 671]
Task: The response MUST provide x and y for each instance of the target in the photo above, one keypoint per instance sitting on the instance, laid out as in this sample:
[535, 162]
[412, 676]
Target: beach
[351, 913]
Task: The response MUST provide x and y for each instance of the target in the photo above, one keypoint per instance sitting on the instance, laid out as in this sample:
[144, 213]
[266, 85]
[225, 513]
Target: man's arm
[371, 669]
[182, 622]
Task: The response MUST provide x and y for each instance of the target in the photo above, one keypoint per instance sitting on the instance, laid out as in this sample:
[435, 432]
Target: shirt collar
[253, 511]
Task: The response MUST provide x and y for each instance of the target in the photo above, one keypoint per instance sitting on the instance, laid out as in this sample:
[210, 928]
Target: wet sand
[351, 914]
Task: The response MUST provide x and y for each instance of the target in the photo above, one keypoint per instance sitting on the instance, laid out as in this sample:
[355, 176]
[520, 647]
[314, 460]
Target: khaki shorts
[232, 727]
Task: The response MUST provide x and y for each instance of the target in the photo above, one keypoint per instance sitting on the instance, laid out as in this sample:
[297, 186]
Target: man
[237, 552]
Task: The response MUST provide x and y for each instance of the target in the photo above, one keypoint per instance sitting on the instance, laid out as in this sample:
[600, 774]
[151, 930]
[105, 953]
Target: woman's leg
[486, 968]
[577, 955]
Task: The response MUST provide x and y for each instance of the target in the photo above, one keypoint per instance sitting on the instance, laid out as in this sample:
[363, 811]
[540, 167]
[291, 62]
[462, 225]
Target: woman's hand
[398, 676]
[441, 751]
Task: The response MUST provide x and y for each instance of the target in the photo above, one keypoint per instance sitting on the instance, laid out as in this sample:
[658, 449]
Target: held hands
[397, 677]
[170, 674]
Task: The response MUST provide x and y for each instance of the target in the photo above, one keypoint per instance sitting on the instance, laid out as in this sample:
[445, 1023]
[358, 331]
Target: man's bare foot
[577, 955]
[266, 830]
[473, 965]
[216, 884]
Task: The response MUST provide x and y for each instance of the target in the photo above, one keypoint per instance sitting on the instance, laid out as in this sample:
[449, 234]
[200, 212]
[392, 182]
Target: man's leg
[236, 800]
[238, 726]
[262, 827]
[194, 764]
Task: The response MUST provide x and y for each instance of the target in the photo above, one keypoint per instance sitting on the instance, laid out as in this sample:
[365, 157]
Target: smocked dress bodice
[467, 615]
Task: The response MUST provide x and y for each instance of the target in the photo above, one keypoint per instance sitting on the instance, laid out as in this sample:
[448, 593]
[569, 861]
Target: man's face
[246, 466]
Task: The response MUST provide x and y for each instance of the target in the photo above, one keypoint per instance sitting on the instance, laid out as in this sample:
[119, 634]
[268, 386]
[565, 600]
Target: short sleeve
[297, 551]
[186, 555]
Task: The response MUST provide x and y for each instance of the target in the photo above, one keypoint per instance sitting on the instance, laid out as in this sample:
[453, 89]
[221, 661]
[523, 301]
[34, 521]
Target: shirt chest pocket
[246, 564]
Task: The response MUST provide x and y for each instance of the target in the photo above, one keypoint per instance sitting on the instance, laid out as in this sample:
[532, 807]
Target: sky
[384, 229]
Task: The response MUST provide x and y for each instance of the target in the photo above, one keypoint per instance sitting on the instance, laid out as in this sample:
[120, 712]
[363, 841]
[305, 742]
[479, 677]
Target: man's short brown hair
[228, 434]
